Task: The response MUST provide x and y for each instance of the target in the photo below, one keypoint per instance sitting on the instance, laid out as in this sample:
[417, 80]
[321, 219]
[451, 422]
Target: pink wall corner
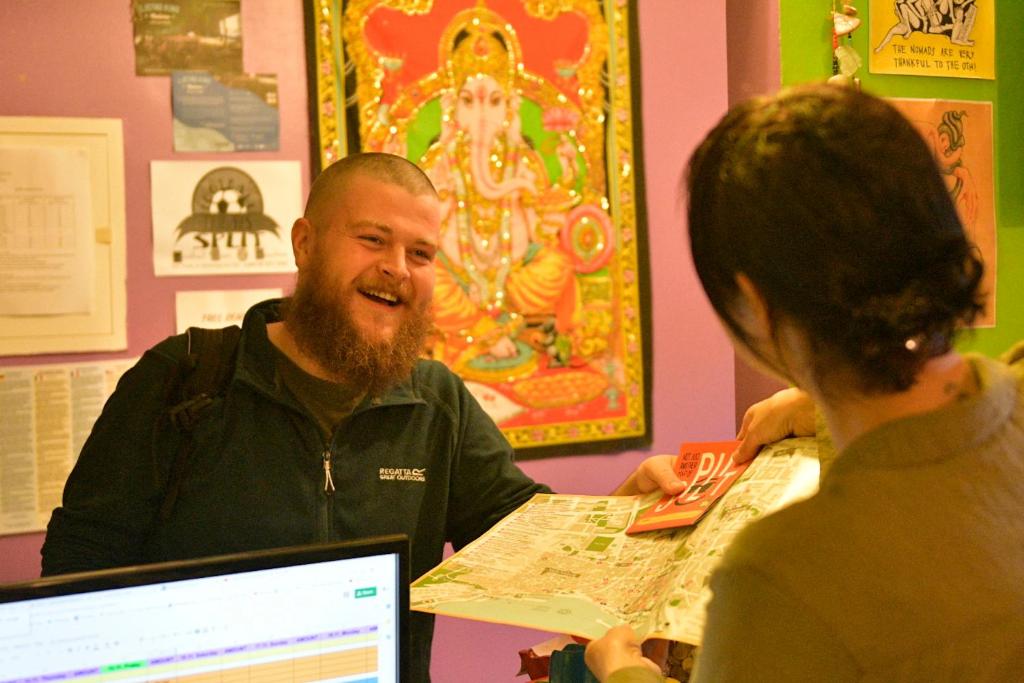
[754, 48]
[754, 68]
[77, 61]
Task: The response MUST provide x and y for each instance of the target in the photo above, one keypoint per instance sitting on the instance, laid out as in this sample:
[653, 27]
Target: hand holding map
[707, 470]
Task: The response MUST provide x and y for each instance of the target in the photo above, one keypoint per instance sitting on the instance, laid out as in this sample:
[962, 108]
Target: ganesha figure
[506, 289]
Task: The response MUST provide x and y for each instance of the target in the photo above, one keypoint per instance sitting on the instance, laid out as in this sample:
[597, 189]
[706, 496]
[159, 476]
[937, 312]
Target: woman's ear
[760, 347]
[752, 309]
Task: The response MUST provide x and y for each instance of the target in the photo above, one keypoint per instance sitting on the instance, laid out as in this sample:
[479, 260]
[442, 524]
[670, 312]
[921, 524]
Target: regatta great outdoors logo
[403, 474]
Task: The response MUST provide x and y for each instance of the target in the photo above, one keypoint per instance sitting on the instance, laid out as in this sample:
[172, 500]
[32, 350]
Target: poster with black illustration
[947, 38]
[219, 218]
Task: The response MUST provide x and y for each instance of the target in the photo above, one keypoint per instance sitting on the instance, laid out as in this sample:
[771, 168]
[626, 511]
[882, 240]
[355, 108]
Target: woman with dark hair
[827, 243]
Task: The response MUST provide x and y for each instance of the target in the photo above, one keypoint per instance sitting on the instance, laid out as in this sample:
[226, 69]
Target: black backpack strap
[206, 370]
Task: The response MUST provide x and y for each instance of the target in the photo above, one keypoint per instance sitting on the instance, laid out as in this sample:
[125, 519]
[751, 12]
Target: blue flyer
[225, 112]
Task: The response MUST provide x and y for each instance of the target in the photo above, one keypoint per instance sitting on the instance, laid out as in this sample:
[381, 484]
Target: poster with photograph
[951, 38]
[960, 135]
[199, 35]
[225, 112]
[217, 218]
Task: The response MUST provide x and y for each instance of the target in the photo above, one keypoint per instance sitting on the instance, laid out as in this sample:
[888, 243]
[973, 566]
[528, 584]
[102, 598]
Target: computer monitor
[334, 612]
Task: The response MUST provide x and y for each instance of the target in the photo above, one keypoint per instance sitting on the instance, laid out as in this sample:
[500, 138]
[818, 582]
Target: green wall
[806, 56]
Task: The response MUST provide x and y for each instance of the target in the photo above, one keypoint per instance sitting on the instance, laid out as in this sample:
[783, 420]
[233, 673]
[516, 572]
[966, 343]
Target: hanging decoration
[845, 60]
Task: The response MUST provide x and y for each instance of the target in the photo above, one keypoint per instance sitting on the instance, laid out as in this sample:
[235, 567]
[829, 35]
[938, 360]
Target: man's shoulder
[176, 347]
[435, 376]
[172, 349]
[157, 362]
[435, 383]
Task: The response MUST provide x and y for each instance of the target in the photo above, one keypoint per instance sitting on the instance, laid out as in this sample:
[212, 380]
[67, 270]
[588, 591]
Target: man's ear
[752, 309]
[303, 239]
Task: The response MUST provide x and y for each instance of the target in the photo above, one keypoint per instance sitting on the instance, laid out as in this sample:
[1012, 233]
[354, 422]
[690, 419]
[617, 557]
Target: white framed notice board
[62, 235]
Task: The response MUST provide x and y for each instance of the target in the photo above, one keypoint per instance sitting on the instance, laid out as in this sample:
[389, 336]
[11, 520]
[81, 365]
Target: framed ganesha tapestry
[525, 115]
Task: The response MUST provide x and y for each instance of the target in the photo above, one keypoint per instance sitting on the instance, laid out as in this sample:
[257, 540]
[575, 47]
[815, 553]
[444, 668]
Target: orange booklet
[708, 471]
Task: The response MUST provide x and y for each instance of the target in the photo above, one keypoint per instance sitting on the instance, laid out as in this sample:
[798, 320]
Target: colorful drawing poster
[224, 112]
[219, 218]
[960, 134]
[951, 38]
[707, 470]
[203, 35]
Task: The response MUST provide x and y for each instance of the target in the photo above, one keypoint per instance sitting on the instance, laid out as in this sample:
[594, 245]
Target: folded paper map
[707, 471]
[565, 564]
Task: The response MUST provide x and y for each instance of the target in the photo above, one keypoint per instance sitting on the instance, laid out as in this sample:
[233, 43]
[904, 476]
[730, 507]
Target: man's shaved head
[389, 168]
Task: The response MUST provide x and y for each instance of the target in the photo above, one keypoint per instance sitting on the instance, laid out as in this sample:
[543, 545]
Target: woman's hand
[655, 472]
[617, 649]
[789, 412]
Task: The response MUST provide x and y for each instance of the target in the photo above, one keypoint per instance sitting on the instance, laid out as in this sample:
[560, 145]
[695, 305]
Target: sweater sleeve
[635, 674]
[755, 630]
[111, 496]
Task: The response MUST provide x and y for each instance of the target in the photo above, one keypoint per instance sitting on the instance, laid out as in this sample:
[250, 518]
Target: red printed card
[708, 471]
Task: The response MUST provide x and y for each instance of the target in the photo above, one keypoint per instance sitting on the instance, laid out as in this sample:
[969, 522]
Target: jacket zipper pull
[328, 481]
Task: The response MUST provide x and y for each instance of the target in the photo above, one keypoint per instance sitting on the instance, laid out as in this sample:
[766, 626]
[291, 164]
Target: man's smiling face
[361, 308]
[376, 254]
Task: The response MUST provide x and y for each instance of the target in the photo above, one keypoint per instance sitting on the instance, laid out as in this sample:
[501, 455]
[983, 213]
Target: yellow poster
[960, 135]
[951, 38]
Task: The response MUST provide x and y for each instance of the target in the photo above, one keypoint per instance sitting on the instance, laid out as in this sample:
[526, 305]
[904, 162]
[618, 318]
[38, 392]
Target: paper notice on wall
[220, 218]
[47, 264]
[217, 308]
[225, 112]
[48, 412]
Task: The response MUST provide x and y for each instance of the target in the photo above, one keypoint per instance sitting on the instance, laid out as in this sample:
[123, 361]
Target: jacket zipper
[328, 480]
[327, 504]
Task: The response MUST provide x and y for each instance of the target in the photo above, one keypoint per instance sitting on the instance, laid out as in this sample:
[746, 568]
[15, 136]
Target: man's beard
[319, 320]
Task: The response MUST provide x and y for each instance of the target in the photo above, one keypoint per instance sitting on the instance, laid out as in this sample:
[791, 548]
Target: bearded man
[331, 427]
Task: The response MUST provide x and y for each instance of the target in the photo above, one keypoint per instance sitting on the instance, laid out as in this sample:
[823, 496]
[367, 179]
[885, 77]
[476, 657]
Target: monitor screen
[333, 612]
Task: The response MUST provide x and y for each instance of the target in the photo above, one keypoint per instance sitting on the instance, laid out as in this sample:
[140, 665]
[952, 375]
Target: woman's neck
[941, 381]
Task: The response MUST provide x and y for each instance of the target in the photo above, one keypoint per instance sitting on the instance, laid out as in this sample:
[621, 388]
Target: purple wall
[70, 58]
[754, 69]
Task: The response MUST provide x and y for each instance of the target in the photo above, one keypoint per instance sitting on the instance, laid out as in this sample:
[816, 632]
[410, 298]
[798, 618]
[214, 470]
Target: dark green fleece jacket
[423, 460]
